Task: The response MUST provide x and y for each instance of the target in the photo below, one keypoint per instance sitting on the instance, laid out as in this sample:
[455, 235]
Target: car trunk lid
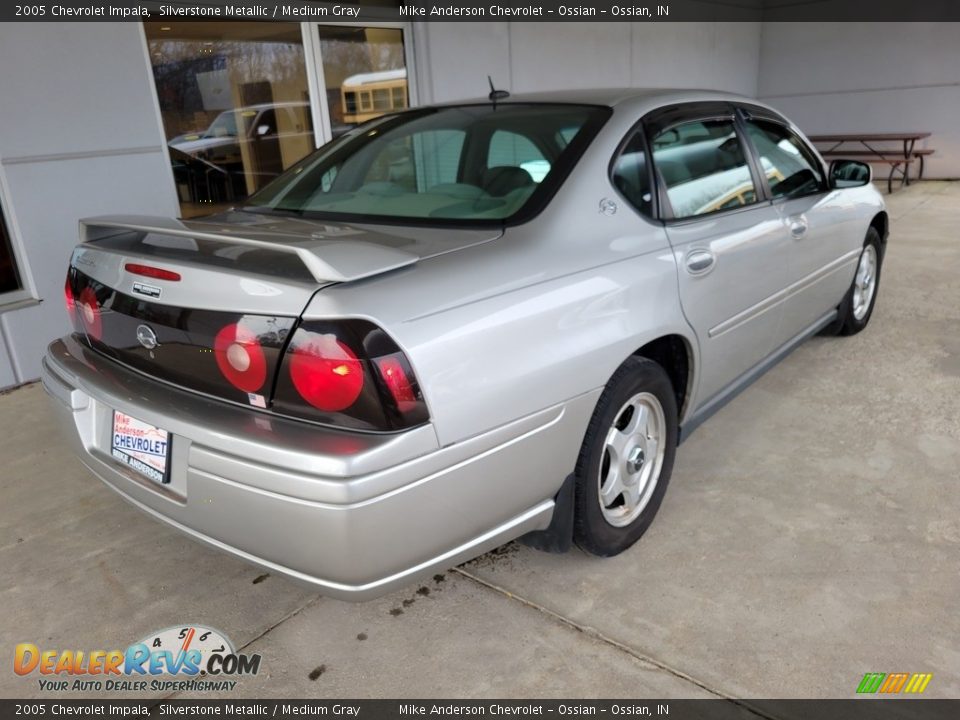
[170, 298]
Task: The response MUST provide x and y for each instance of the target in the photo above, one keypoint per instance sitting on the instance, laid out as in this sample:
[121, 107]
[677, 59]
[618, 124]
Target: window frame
[670, 116]
[637, 129]
[745, 113]
[316, 82]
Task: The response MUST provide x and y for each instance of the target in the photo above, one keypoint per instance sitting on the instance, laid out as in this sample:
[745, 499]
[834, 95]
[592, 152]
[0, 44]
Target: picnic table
[869, 146]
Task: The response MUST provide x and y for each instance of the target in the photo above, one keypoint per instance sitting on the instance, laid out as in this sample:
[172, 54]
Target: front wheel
[626, 458]
[857, 306]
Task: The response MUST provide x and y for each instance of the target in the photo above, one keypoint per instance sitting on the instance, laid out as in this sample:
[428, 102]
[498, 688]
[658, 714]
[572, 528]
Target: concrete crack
[606, 639]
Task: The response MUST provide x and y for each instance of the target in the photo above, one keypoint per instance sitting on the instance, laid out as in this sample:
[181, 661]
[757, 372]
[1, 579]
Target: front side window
[787, 162]
[9, 276]
[468, 163]
[703, 167]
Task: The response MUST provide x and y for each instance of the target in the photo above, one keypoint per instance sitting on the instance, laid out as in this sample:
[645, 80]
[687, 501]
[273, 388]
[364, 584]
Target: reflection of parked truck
[249, 145]
[368, 95]
[220, 143]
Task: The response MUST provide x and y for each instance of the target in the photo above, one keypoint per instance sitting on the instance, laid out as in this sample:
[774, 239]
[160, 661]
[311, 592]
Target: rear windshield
[474, 164]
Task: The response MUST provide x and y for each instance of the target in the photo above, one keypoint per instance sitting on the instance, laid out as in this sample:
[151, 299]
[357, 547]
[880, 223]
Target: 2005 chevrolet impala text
[458, 325]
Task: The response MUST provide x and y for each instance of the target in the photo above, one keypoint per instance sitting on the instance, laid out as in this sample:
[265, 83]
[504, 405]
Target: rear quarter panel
[542, 315]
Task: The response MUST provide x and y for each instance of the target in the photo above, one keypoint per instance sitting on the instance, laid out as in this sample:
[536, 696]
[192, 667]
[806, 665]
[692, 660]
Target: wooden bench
[899, 159]
[853, 154]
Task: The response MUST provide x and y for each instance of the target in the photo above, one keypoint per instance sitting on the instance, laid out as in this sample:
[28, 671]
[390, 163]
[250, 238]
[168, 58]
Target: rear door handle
[798, 226]
[700, 261]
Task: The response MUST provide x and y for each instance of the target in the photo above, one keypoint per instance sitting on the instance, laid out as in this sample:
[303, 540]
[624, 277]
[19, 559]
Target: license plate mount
[142, 447]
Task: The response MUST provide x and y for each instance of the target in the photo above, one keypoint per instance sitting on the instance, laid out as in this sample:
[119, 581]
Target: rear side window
[787, 162]
[631, 177]
[703, 167]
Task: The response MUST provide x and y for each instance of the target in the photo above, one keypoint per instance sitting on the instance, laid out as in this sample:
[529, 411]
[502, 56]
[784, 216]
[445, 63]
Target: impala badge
[148, 290]
[147, 337]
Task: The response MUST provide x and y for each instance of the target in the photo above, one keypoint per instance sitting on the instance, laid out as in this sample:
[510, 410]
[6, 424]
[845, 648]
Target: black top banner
[487, 11]
[720, 709]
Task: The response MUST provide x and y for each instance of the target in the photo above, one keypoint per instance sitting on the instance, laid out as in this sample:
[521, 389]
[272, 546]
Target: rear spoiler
[327, 260]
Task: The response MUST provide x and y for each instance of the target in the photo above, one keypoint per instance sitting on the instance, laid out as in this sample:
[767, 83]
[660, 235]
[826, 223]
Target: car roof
[615, 97]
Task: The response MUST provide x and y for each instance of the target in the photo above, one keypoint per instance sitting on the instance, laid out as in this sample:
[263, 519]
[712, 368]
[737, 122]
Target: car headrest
[502, 179]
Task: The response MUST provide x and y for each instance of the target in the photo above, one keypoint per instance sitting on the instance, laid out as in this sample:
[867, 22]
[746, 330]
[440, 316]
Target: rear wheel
[626, 459]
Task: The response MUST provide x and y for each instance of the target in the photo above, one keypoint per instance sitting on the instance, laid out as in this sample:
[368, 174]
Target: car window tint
[565, 135]
[509, 149]
[787, 162]
[419, 161]
[464, 163]
[437, 154]
[630, 175]
[703, 167]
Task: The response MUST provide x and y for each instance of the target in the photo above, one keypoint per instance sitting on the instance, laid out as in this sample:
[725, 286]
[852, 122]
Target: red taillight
[152, 272]
[325, 372]
[240, 358]
[348, 373]
[395, 378]
[88, 310]
[70, 301]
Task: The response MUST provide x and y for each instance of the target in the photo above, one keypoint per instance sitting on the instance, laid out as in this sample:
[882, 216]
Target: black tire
[593, 530]
[847, 322]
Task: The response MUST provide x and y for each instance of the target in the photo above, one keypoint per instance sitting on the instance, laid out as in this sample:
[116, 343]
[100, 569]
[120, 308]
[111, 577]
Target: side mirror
[263, 130]
[849, 173]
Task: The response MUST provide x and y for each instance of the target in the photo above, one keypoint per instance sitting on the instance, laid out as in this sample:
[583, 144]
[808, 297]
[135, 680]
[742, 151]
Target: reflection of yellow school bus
[368, 95]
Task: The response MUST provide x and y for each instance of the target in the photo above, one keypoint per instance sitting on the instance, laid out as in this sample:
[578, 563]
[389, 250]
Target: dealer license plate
[141, 446]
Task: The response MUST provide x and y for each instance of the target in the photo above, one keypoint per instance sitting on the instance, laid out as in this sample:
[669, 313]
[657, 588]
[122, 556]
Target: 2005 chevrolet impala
[458, 325]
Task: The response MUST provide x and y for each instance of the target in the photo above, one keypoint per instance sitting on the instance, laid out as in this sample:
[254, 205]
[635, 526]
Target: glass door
[240, 102]
[235, 105]
[363, 73]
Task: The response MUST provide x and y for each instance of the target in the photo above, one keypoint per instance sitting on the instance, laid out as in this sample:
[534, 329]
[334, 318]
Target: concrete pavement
[811, 534]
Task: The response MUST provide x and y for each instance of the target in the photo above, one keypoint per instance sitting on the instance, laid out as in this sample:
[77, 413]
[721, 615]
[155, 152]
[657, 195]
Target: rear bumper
[353, 515]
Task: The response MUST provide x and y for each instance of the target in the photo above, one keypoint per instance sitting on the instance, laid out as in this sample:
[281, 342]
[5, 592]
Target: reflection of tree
[176, 64]
[343, 58]
[251, 61]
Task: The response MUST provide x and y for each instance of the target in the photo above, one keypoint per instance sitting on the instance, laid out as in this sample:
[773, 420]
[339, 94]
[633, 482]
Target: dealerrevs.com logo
[184, 658]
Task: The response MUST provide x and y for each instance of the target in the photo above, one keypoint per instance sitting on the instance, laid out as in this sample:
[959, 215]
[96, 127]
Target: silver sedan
[456, 326]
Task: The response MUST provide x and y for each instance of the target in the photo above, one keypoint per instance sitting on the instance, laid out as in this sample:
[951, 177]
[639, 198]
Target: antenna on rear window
[496, 94]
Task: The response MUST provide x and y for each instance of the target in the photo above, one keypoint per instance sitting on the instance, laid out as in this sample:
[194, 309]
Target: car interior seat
[503, 179]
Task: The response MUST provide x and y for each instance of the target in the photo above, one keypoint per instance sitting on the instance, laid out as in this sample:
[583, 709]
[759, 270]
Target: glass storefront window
[365, 73]
[9, 275]
[235, 106]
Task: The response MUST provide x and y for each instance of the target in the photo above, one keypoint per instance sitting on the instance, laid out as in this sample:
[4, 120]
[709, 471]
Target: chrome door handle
[700, 261]
[798, 227]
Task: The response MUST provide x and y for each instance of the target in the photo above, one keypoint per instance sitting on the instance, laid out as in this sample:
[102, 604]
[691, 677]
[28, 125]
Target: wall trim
[8, 304]
[82, 155]
[861, 91]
